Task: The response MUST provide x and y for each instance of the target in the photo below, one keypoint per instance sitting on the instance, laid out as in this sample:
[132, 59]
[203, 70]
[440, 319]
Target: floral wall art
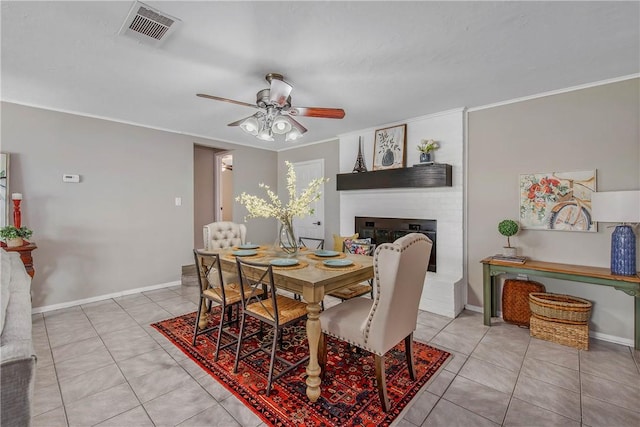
[389, 148]
[557, 201]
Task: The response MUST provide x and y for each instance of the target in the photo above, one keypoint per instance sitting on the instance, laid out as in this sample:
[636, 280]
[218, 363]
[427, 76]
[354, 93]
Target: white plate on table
[248, 246]
[283, 262]
[337, 262]
[324, 253]
[245, 253]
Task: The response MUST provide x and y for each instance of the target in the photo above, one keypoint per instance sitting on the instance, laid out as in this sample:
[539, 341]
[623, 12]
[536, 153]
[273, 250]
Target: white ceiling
[381, 62]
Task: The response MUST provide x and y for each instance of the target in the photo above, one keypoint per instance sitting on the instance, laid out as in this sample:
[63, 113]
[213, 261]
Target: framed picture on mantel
[389, 148]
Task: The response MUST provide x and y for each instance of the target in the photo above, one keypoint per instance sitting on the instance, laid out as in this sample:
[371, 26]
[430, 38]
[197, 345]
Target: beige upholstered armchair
[224, 234]
[379, 324]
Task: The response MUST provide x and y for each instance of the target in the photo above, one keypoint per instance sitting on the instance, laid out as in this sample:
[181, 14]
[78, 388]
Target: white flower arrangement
[427, 146]
[298, 205]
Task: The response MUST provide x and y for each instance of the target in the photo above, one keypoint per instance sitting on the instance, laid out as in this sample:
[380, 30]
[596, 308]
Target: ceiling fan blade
[297, 124]
[217, 98]
[237, 122]
[279, 92]
[325, 113]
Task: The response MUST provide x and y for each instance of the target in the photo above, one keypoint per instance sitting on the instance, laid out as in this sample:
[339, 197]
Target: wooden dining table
[312, 281]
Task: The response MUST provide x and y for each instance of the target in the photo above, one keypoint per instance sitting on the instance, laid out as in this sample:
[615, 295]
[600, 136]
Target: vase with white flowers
[299, 205]
[427, 148]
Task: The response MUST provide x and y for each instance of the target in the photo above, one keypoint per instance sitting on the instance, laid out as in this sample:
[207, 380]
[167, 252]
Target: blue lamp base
[623, 251]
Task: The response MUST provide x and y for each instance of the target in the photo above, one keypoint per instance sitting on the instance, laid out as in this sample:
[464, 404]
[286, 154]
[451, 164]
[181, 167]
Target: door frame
[319, 161]
[217, 176]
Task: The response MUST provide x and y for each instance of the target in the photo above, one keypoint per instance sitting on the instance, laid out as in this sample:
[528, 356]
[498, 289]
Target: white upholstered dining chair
[223, 234]
[377, 325]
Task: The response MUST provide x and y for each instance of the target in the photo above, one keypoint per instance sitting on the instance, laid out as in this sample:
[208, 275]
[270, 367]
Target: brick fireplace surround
[444, 291]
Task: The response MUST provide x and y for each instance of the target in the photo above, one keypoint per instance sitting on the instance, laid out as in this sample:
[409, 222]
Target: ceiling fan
[275, 113]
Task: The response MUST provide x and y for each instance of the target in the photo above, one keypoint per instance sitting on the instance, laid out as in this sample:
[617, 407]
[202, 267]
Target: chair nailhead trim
[393, 247]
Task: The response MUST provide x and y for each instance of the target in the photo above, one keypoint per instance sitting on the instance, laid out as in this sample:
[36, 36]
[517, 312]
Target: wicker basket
[515, 300]
[560, 308]
[576, 336]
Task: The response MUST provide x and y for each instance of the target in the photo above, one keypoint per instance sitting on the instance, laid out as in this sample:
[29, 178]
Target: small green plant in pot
[508, 228]
[14, 236]
[426, 149]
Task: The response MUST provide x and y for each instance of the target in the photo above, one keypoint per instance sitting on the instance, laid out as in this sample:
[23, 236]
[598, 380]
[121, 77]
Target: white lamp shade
[615, 206]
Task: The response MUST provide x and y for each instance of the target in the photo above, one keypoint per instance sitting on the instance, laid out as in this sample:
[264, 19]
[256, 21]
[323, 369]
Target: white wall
[444, 290]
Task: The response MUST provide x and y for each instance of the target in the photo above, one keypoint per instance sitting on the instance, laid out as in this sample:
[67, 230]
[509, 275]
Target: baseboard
[474, 308]
[612, 338]
[597, 335]
[52, 307]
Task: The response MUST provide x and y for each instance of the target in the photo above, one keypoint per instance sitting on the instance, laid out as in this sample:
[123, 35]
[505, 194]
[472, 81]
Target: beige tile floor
[102, 364]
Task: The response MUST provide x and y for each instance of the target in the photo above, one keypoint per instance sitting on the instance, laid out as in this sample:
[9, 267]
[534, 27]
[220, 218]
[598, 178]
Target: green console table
[491, 268]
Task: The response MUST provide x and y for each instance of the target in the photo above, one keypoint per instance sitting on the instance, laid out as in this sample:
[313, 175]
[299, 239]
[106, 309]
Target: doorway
[224, 199]
[212, 188]
[312, 225]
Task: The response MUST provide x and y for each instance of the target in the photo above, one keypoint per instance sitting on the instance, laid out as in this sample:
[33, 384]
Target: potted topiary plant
[508, 228]
[14, 236]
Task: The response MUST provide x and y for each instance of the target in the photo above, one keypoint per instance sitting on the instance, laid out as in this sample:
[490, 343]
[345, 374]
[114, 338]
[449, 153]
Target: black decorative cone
[360, 166]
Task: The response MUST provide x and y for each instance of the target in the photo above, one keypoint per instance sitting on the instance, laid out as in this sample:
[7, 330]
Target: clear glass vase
[286, 238]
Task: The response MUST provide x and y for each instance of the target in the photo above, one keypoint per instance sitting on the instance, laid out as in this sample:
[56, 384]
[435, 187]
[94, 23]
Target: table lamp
[623, 207]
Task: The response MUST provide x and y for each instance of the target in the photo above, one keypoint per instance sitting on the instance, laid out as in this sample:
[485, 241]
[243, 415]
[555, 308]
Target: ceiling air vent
[148, 25]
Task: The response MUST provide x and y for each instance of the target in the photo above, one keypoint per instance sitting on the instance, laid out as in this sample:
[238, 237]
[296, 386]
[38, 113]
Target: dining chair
[380, 324]
[311, 242]
[362, 247]
[214, 289]
[276, 310]
[223, 234]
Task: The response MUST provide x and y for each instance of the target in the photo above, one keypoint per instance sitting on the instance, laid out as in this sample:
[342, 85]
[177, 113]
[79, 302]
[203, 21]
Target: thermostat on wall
[70, 178]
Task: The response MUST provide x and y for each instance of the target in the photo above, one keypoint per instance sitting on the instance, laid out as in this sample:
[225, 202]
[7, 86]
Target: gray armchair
[17, 356]
[379, 324]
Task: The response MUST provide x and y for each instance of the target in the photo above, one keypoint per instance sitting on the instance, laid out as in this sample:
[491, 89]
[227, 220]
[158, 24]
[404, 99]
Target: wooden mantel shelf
[436, 175]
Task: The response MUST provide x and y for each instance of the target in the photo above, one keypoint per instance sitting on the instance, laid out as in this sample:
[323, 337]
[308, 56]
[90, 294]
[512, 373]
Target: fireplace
[385, 230]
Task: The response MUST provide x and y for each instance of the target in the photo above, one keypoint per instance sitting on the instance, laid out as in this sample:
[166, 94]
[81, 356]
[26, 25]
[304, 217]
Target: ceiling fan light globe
[281, 125]
[264, 135]
[293, 135]
[250, 126]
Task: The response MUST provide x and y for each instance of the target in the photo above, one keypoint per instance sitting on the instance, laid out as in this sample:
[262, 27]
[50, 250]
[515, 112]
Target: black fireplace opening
[387, 230]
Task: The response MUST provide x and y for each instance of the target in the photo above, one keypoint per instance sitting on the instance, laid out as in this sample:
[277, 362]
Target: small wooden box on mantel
[433, 175]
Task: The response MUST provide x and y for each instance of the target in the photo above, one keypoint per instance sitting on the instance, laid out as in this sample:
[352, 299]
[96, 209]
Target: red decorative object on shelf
[17, 215]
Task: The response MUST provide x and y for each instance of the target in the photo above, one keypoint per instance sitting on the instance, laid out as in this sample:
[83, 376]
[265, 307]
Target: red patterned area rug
[349, 393]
